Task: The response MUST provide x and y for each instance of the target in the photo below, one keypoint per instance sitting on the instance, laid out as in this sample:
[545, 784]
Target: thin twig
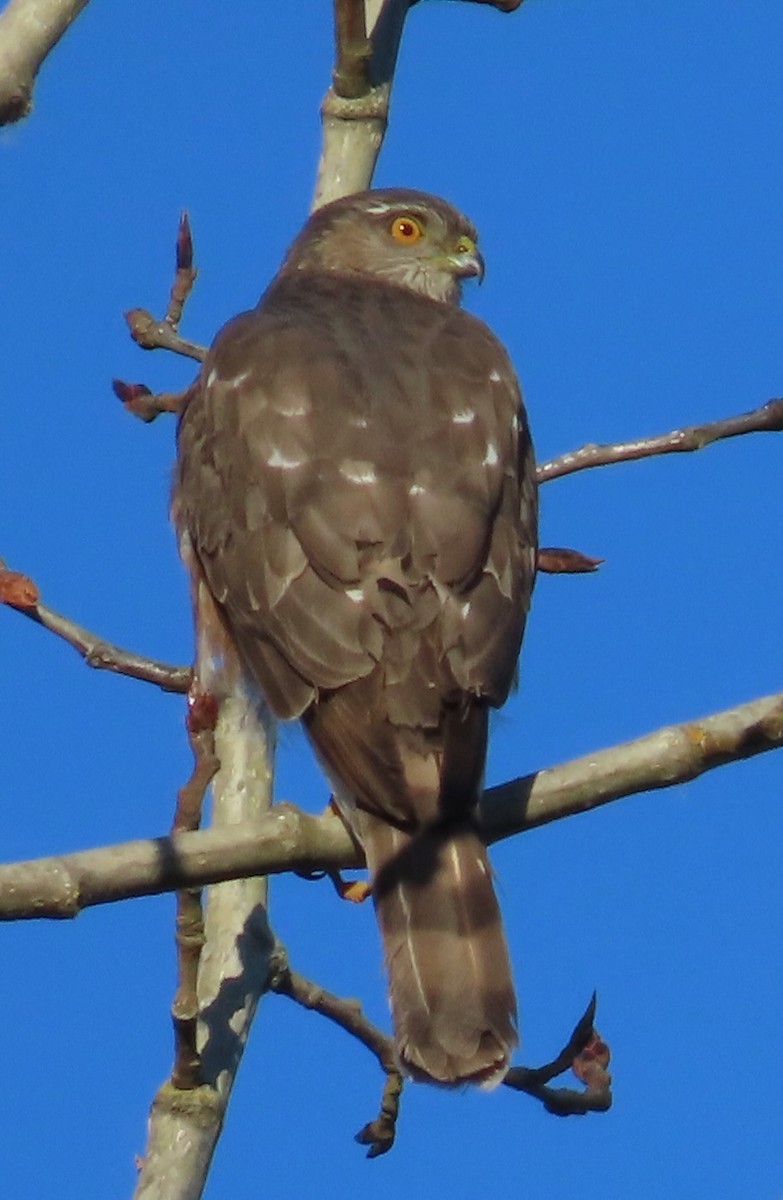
[379, 1133]
[583, 1047]
[146, 405]
[151, 334]
[768, 418]
[559, 560]
[20, 592]
[289, 840]
[237, 956]
[347, 1014]
[201, 721]
[185, 273]
[587, 1055]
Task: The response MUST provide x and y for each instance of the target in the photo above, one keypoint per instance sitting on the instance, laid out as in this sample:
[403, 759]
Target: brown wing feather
[318, 479]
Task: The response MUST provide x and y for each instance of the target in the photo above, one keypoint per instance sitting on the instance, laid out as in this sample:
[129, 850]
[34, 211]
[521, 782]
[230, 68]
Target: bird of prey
[355, 488]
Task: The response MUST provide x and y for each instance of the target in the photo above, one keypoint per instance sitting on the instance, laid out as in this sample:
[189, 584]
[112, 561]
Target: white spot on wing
[491, 457]
[494, 376]
[464, 608]
[464, 417]
[293, 406]
[212, 377]
[239, 379]
[276, 459]
[358, 472]
[355, 594]
[416, 489]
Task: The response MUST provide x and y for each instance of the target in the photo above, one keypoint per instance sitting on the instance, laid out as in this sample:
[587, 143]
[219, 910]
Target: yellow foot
[355, 890]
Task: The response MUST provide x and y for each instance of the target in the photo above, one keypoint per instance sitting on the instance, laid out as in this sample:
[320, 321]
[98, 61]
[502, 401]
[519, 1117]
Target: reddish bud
[559, 560]
[202, 712]
[184, 244]
[17, 590]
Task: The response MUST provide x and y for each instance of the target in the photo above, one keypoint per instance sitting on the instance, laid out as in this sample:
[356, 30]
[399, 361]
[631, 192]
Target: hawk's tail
[450, 985]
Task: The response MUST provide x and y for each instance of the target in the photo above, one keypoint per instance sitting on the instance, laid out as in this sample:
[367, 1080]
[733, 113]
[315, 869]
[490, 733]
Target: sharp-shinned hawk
[356, 490]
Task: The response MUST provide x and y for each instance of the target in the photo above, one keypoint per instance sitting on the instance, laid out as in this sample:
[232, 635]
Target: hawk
[356, 489]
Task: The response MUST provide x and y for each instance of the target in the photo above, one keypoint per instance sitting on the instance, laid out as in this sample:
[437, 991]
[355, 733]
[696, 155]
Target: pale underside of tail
[450, 985]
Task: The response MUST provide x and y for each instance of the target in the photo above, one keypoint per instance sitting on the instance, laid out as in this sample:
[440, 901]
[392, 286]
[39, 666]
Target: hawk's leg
[354, 890]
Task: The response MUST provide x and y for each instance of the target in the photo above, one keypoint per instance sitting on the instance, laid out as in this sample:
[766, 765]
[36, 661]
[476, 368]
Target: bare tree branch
[286, 839]
[560, 560]
[379, 1133]
[152, 334]
[768, 418]
[355, 110]
[201, 722]
[29, 29]
[21, 593]
[146, 405]
[587, 1055]
[237, 955]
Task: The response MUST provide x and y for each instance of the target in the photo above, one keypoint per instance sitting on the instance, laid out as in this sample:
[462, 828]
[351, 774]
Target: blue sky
[622, 162]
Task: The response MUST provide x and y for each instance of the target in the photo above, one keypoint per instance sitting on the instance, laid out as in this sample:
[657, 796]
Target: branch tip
[17, 590]
[184, 244]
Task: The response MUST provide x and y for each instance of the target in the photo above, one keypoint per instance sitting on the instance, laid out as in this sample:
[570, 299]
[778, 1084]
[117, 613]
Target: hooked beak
[467, 261]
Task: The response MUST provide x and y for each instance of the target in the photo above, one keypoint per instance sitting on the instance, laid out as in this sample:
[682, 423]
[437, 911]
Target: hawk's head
[403, 237]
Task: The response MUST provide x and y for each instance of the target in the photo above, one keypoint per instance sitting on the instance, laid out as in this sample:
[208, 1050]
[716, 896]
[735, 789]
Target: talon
[354, 890]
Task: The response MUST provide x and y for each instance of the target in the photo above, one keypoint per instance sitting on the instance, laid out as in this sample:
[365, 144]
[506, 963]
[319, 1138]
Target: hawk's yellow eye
[406, 229]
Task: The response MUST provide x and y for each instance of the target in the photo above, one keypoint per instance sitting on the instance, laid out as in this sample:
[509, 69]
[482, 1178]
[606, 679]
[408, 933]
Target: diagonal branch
[379, 1133]
[19, 592]
[768, 418]
[289, 840]
[29, 29]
